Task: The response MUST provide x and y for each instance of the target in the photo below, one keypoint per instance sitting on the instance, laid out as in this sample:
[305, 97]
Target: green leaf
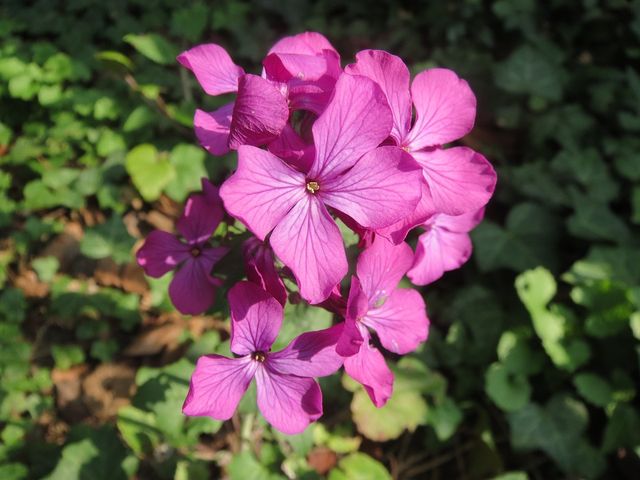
[245, 466]
[109, 239]
[510, 391]
[623, 429]
[46, 267]
[512, 475]
[593, 220]
[150, 172]
[189, 22]
[444, 417]
[300, 318]
[115, 60]
[529, 71]
[593, 388]
[516, 355]
[66, 356]
[359, 466]
[139, 118]
[527, 240]
[91, 455]
[154, 47]
[14, 471]
[188, 162]
[536, 288]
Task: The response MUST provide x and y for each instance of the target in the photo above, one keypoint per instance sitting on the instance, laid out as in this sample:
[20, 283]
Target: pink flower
[445, 245]
[259, 264]
[457, 180]
[287, 395]
[192, 289]
[374, 186]
[299, 74]
[397, 315]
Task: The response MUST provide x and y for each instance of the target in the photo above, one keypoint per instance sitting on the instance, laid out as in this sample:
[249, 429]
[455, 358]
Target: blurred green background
[532, 366]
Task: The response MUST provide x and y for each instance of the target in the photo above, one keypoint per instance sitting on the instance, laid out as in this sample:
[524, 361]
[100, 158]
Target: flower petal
[392, 75]
[445, 108]
[291, 148]
[217, 385]
[401, 321]
[306, 43]
[398, 231]
[369, 368]
[352, 338]
[256, 318]
[212, 129]
[460, 180]
[261, 270]
[213, 67]
[193, 290]
[161, 253]
[356, 120]
[287, 402]
[381, 267]
[262, 190]
[312, 354]
[309, 242]
[283, 67]
[201, 216]
[381, 188]
[457, 223]
[260, 113]
[439, 251]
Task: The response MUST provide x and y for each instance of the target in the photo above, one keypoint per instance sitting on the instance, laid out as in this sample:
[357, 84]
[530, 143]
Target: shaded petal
[160, 253]
[259, 113]
[193, 290]
[312, 354]
[213, 68]
[212, 129]
[369, 368]
[381, 188]
[309, 242]
[445, 108]
[398, 231]
[282, 67]
[261, 269]
[381, 267]
[459, 223]
[256, 318]
[217, 385]
[307, 43]
[356, 120]
[392, 75]
[291, 148]
[460, 180]
[401, 321]
[201, 216]
[439, 251]
[262, 190]
[357, 305]
[287, 402]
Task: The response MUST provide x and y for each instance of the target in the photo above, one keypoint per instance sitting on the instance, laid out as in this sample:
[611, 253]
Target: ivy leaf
[154, 47]
[150, 172]
[359, 466]
[510, 391]
[188, 163]
[109, 239]
[593, 388]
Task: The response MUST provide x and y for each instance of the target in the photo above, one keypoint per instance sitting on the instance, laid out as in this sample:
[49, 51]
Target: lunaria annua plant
[315, 143]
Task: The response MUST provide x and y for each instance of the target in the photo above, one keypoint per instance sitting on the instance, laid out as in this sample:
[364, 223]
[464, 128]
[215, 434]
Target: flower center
[195, 252]
[259, 356]
[313, 187]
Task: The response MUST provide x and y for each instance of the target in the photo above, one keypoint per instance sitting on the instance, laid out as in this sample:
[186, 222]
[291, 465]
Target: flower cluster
[316, 143]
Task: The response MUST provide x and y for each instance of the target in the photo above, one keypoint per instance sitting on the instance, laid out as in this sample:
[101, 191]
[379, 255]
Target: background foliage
[531, 369]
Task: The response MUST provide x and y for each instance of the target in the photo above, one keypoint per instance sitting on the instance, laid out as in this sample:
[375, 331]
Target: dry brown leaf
[108, 388]
[68, 385]
[322, 459]
[155, 340]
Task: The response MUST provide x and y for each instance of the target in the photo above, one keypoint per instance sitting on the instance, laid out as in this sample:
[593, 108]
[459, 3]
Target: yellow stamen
[313, 187]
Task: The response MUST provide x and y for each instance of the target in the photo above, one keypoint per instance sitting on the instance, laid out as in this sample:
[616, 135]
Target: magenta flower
[288, 397]
[192, 289]
[397, 315]
[299, 74]
[458, 180]
[259, 263]
[374, 186]
[445, 245]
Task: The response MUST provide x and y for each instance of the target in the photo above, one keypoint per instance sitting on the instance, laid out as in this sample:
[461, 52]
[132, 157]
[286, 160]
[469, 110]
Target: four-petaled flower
[288, 396]
[192, 289]
[457, 180]
[373, 186]
[299, 74]
[397, 315]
